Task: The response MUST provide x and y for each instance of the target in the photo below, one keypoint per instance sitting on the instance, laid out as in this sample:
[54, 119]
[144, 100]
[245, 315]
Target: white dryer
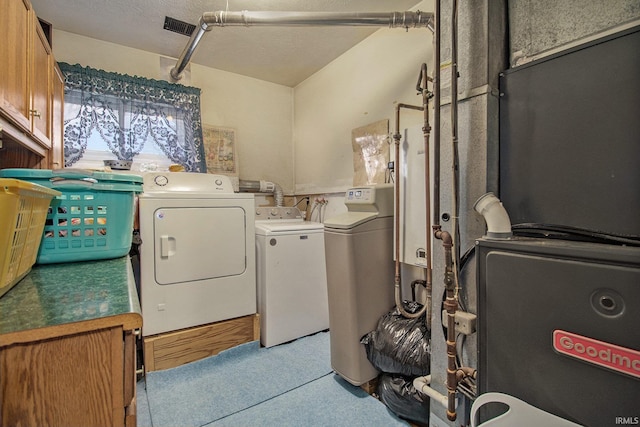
[291, 274]
[197, 258]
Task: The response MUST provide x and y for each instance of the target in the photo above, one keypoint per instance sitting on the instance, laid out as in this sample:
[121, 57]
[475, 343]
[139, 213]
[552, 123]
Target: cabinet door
[57, 119]
[76, 380]
[15, 24]
[40, 85]
[130, 414]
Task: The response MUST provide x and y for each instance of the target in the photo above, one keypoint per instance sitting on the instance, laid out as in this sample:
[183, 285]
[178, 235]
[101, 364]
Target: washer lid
[264, 228]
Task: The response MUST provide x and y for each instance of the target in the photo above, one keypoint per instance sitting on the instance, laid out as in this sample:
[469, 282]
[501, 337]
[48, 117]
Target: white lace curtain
[126, 112]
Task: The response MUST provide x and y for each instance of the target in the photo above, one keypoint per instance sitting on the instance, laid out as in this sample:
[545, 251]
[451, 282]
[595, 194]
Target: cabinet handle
[35, 113]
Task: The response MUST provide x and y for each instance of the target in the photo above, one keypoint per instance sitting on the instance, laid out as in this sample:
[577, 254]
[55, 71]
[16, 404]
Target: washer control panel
[273, 212]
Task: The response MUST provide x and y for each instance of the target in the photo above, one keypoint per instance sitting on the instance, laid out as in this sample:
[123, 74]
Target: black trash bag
[400, 345]
[399, 395]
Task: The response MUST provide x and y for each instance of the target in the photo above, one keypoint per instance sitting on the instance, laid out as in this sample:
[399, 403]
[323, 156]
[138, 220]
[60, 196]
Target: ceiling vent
[177, 26]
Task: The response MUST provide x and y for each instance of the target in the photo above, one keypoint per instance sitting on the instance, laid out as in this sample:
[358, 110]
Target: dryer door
[199, 243]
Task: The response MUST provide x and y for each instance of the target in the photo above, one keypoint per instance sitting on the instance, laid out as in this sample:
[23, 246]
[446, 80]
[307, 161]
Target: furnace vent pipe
[495, 215]
[245, 18]
[249, 186]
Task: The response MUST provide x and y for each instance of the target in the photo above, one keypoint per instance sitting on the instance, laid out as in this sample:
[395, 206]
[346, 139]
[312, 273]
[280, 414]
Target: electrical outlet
[465, 322]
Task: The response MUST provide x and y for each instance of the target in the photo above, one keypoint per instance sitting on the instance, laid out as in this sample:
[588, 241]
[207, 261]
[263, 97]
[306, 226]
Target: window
[110, 116]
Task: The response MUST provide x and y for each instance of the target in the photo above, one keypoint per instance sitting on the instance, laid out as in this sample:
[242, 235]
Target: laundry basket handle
[73, 184]
[519, 414]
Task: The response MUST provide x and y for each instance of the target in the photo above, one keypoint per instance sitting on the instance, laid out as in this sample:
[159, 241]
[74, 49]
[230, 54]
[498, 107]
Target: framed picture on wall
[220, 150]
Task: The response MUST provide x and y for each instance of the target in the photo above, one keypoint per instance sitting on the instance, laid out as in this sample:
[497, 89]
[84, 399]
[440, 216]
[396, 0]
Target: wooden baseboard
[176, 348]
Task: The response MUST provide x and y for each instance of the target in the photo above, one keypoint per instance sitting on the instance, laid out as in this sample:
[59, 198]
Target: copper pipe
[397, 280]
[465, 372]
[455, 166]
[436, 115]
[421, 87]
[450, 305]
[396, 198]
[451, 244]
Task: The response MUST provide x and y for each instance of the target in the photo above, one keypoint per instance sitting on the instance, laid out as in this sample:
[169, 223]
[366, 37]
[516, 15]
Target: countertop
[62, 299]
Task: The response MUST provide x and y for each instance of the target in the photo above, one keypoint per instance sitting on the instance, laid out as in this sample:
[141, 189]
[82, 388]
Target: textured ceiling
[283, 55]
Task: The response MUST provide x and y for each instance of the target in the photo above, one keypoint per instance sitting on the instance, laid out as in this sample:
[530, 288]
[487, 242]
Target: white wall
[358, 88]
[261, 112]
[297, 137]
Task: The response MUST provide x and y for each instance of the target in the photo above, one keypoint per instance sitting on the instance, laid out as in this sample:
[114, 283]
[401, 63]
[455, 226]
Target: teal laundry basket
[93, 217]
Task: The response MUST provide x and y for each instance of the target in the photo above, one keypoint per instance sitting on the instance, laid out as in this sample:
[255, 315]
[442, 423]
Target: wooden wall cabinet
[40, 84]
[15, 28]
[27, 88]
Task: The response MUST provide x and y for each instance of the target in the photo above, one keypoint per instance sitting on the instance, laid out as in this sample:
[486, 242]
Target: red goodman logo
[596, 352]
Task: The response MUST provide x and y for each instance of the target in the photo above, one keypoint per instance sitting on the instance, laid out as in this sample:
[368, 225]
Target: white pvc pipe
[495, 215]
[264, 187]
[267, 186]
[421, 384]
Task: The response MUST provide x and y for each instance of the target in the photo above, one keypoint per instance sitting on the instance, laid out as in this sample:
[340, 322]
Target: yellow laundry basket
[23, 211]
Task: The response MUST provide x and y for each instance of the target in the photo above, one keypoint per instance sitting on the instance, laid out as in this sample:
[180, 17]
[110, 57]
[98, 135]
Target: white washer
[292, 278]
[197, 258]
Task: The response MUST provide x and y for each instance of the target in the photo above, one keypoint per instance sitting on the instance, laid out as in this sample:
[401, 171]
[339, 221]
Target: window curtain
[127, 112]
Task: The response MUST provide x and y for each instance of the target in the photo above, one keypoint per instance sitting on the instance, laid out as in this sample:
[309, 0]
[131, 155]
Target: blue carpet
[327, 401]
[204, 391]
[291, 384]
[142, 407]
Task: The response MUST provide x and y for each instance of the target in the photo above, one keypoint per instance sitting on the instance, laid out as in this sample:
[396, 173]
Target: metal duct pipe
[278, 195]
[245, 18]
[250, 186]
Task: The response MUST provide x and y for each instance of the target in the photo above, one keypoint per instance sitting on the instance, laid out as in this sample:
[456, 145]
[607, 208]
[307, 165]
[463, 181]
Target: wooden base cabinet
[68, 335]
[84, 379]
